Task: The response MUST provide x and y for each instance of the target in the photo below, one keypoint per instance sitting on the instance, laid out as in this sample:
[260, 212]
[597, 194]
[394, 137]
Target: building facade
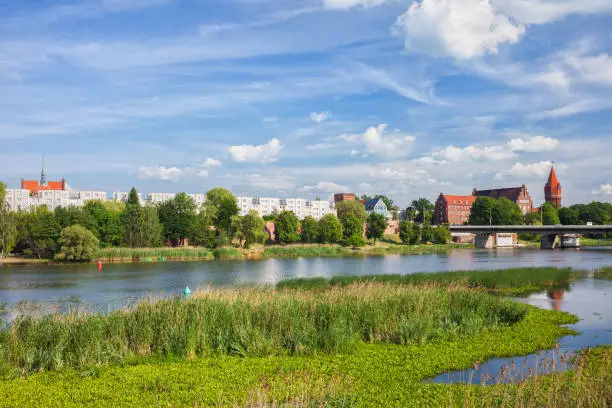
[553, 190]
[518, 195]
[299, 206]
[453, 209]
[376, 205]
[344, 197]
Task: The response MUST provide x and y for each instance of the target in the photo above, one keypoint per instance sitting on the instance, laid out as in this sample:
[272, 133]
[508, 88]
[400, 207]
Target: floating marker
[99, 265]
[187, 291]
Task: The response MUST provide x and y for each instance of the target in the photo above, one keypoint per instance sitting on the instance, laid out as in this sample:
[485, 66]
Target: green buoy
[187, 291]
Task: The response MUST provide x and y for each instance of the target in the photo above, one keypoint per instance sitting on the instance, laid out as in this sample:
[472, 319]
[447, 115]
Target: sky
[309, 97]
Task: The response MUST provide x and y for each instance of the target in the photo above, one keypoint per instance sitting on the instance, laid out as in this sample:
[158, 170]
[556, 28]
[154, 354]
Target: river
[58, 287]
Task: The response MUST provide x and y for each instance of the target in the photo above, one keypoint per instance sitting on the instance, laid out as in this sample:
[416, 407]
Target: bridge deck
[534, 229]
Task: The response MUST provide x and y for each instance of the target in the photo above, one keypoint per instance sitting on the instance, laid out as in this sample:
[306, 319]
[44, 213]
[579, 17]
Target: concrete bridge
[553, 236]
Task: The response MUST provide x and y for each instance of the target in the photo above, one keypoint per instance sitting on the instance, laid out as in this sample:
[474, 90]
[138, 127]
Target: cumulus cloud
[324, 186]
[539, 169]
[347, 4]
[594, 69]
[376, 141]
[472, 28]
[210, 163]
[534, 144]
[604, 189]
[259, 154]
[319, 117]
[461, 29]
[159, 173]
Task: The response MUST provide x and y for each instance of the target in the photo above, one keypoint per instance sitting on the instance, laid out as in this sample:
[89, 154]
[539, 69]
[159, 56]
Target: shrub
[77, 244]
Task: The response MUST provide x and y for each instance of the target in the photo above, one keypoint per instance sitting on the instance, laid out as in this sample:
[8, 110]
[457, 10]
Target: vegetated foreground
[355, 344]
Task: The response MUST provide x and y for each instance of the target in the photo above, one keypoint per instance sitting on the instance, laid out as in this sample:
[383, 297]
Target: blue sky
[309, 97]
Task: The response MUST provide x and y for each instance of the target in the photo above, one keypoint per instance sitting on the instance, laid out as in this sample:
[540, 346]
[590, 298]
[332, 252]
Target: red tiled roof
[552, 178]
[35, 187]
[450, 198]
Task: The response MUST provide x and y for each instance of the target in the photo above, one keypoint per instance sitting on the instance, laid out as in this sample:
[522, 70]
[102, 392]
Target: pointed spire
[43, 176]
[552, 178]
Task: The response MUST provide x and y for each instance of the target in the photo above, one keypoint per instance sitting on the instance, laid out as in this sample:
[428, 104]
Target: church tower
[43, 175]
[552, 189]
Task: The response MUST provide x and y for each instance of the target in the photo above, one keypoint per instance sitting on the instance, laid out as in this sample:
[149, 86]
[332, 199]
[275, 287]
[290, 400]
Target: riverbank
[352, 342]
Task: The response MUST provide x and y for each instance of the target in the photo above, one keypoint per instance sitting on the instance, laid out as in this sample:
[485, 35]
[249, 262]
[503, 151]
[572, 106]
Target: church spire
[552, 189]
[43, 175]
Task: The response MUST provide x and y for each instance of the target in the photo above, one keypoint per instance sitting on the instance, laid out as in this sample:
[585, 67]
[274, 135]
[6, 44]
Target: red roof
[552, 178]
[453, 199]
[35, 187]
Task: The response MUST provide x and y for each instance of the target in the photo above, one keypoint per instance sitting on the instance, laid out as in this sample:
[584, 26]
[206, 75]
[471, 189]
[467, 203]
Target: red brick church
[553, 190]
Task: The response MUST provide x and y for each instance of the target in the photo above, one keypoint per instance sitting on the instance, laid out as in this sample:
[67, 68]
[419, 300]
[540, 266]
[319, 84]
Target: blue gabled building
[376, 205]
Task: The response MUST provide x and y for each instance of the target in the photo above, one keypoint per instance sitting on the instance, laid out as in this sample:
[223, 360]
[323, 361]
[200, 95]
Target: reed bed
[256, 322]
[508, 281]
[153, 254]
[603, 273]
[228, 253]
[293, 251]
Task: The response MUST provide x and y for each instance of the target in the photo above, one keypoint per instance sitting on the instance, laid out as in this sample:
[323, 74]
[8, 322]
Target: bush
[355, 241]
[77, 244]
[442, 234]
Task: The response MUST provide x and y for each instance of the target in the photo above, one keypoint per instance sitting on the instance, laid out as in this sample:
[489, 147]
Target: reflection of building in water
[556, 297]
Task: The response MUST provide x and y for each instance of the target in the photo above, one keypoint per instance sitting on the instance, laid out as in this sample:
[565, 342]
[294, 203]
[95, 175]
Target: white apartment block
[20, 199]
[299, 206]
[158, 198]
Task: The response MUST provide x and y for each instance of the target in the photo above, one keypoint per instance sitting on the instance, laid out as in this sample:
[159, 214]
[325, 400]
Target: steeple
[43, 175]
[552, 189]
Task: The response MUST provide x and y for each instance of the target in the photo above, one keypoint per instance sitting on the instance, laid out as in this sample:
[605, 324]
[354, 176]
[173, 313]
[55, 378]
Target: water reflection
[588, 299]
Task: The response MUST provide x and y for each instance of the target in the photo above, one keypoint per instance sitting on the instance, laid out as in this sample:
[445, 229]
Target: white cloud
[594, 69]
[159, 173]
[472, 28]
[377, 142]
[320, 146]
[210, 163]
[319, 117]
[604, 189]
[347, 4]
[324, 186]
[454, 154]
[534, 144]
[540, 170]
[461, 29]
[260, 154]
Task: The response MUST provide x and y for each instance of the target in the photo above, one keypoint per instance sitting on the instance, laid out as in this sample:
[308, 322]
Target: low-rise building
[453, 209]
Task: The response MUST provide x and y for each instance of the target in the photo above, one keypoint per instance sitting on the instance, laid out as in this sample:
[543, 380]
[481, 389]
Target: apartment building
[270, 206]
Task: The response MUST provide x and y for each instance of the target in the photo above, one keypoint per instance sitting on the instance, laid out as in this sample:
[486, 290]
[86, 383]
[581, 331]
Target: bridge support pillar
[550, 242]
[570, 241]
[485, 241]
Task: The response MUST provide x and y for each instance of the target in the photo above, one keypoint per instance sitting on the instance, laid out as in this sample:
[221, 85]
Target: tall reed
[118, 254]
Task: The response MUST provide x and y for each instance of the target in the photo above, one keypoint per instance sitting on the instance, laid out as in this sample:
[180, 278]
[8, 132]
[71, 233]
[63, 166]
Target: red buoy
[99, 265]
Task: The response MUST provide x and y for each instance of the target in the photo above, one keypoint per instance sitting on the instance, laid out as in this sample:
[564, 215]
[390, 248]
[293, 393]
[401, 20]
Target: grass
[294, 251]
[584, 241]
[256, 322]
[153, 254]
[227, 253]
[604, 273]
[515, 281]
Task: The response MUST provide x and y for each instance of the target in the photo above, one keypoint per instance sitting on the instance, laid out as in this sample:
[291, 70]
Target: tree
[225, 207]
[405, 231]
[350, 207]
[43, 233]
[352, 226]
[177, 217]
[132, 221]
[203, 231]
[376, 226]
[331, 229]
[549, 214]
[415, 236]
[151, 229]
[424, 210]
[442, 234]
[77, 244]
[355, 241]
[286, 227]
[8, 230]
[310, 230]
[410, 214]
[427, 233]
[71, 215]
[253, 229]
[507, 212]
[568, 216]
[482, 211]
[533, 219]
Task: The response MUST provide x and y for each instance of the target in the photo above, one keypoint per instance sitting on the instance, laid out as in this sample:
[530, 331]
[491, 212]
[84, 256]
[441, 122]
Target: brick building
[518, 195]
[552, 189]
[453, 209]
[344, 197]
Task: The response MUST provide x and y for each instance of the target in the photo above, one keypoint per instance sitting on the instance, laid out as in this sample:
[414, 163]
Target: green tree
[253, 229]
[410, 214]
[150, 233]
[350, 207]
[415, 236]
[225, 207]
[132, 221]
[355, 241]
[424, 210]
[8, 230]
[177, 216]
[549, 214]
[77, 244]
[482, 211]
[442, 234]
[286, 227]
[310, 230]
[331, 229]
[405, 231]
[43, 234]
[507, 212]
[569, 216]
[427, 233]
[71, 215]
[376, 226]
[533, 219]
[352, 226]
[203, 232]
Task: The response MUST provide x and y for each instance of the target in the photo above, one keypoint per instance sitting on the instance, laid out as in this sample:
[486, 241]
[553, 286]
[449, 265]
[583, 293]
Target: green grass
[374, 375]
[584, 241]
[508, 281]
[256, 322]
[604, 273]
[122, 254]
[294, 251]
[228, 253]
